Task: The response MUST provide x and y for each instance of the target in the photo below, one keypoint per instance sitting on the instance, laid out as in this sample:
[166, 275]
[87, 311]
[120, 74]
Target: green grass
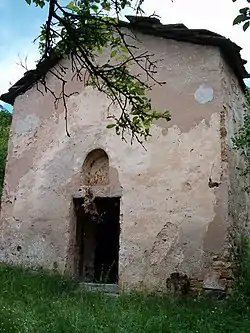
[42, 302]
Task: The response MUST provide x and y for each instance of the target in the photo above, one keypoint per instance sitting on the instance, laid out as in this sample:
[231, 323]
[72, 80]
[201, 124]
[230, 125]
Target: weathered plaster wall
[171, 219]
[234, 106]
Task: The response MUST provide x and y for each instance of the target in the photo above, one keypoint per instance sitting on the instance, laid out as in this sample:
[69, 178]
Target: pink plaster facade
[172, 216]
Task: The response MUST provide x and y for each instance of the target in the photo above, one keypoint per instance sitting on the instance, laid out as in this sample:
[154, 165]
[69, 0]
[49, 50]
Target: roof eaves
[150, 26]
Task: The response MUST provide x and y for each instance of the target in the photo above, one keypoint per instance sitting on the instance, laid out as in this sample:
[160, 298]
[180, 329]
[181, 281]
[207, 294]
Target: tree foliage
[5, 122]
[241, 140]
[82, 30]
[244, 16]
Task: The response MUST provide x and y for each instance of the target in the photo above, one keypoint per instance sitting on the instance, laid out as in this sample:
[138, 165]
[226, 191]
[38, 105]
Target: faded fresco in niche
[95, 169]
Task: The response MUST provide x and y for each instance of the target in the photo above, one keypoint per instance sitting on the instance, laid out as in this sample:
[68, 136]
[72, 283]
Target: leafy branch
[243, 17]
[82, 30]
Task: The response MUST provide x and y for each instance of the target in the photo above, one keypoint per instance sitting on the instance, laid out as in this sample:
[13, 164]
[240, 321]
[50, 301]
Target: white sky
[215, 15]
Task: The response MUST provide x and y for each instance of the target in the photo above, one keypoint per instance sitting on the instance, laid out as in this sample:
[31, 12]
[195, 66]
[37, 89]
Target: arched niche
[96, 168]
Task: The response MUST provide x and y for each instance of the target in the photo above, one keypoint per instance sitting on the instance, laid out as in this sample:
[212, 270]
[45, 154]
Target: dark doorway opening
[97, 240]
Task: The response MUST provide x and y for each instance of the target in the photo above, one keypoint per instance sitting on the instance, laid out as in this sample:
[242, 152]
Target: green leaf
[246, 25]
[136, 120]
[140, 91]
[28, 2]
[240, 18]
[113, 53]
[105, 5]
[71, 6]
[95, 8]
[111, 125]
[244, 10]
[40, 3]
[124, 49]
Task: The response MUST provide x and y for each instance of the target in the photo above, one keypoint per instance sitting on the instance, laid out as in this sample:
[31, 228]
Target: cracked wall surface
[239, 202]
[173, 216]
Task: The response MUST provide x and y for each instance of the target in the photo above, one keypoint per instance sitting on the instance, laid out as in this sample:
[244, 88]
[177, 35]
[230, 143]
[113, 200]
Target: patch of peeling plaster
[204, 94]
[26, 124]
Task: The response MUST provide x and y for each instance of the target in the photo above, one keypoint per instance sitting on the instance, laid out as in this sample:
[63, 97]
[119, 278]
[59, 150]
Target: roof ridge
[148, 25]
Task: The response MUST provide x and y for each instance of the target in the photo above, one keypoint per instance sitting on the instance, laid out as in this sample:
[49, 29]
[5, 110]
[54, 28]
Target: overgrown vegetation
[41, 302]
[241, 140]
[5, 122]
[241, 290]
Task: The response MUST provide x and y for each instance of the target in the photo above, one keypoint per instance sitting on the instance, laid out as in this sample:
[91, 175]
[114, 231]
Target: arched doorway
[97, 224]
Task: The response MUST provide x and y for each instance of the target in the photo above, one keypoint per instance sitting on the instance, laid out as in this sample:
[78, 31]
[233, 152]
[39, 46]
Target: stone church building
[167, 211]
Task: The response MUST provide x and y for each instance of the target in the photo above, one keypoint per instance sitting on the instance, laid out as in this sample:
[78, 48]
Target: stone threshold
[100, 287]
